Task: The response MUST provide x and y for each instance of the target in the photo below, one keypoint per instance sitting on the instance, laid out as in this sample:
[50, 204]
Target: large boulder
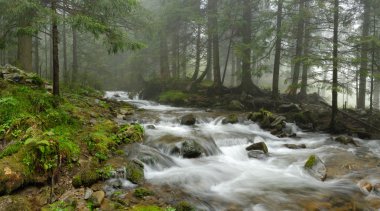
[269, 121]
[191, 149]
[188, 119]
[316, 168]
[261, 146]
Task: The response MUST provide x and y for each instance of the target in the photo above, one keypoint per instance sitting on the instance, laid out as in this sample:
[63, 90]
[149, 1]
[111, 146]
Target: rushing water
[227, 179]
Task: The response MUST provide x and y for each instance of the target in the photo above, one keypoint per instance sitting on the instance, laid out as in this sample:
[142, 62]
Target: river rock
[135, 172]
[261, 146]
[316, 168]
[230, 119]
[191, 149]
[346, 140]
[150, 127]
[188, 119]
[295, 146]
[257, 154]
[97, 198]
[88, 193]
[365, 186]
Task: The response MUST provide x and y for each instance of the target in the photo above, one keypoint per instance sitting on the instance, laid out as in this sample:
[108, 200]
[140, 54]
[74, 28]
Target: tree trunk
[277, 57]
[55, 49]
[297, 58]
[164, 57]
[364, 56]
[74, 74]
[246, 32]
[305, 63]
[198, 50]
[228, 57]
[334, 103]
[213, 16]
[175, 55]
[376, 94]
[24, 53]
[66, 74]
[36, 56]
[233, 70]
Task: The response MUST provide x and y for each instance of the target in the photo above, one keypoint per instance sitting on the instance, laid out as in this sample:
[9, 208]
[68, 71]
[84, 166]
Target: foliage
[131, 133]
[173, 96]
[142, 192]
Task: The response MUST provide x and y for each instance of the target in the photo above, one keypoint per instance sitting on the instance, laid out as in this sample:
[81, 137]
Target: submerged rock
[188, 119]
[261, 146]
[346, 140]
[149, 156]
[295, 146]
[257, 154]
[365, 186]
[316, 167]
[230, 119]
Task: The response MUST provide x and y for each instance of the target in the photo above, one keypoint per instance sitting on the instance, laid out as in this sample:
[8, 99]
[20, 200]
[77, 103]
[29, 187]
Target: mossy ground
[43, 136]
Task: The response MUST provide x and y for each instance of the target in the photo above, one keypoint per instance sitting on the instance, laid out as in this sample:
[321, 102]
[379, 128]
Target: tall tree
[299, 49]
[334, 89]
[213, 16]
[363, 72]
[277, 57]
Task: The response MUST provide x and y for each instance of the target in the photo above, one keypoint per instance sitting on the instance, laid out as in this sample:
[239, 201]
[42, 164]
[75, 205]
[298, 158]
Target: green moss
[11, 149]
[184, 206]
[85, 178]
[231, 119]
[146, 208]
[310, 162]
[131, 133]
[173, 96]
[135, 172]
[142, 192]
[59, 206]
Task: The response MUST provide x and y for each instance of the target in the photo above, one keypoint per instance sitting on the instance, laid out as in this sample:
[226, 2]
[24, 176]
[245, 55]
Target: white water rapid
[225, 178]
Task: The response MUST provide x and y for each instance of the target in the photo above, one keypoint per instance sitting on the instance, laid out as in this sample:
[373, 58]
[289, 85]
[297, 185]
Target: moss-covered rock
[131, 133]
[316, 168]
[135, 172]
[345, 140]
[188, 119]
[13, 174]
[191, 149]
[184, 206]
[261, 146]
[230, 119]
[13, 203]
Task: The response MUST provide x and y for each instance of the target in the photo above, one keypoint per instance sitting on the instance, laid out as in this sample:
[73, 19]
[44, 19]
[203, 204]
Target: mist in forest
[176, 39]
